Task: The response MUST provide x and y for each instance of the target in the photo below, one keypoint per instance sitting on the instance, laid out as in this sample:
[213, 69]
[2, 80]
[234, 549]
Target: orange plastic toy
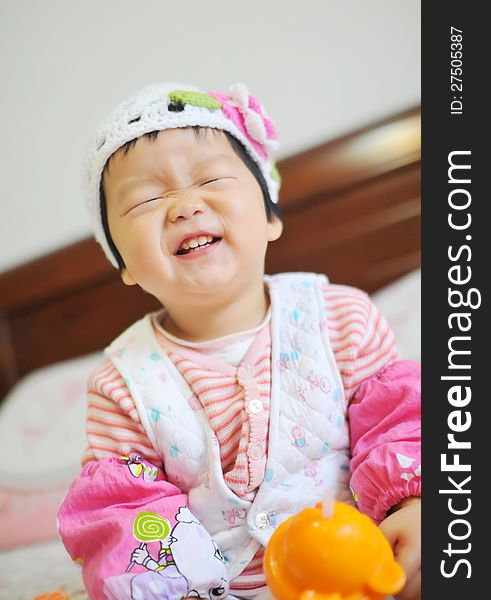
[331, 552]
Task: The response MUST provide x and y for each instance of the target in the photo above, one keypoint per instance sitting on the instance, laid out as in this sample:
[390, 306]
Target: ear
[127, 277]
[275, 229]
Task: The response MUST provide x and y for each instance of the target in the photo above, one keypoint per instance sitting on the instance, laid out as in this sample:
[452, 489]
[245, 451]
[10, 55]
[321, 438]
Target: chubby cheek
[140, 242]
[252, 246]
[245, 218]
[254, 225]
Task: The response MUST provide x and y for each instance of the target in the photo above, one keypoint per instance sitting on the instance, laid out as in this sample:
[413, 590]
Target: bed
[351, 209]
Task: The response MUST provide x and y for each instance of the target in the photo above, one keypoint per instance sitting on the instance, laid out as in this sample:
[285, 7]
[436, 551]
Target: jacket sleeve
[127, 526]
[385, 428]
[122, 521]
[114, 427]
[361, 339]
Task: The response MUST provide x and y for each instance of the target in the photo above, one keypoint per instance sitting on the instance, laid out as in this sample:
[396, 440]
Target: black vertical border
[443, 133]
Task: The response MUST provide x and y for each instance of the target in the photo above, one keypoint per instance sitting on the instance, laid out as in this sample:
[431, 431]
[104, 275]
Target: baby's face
[187, 216]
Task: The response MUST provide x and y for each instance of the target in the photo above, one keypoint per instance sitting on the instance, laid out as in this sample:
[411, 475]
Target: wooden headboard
[351, 209]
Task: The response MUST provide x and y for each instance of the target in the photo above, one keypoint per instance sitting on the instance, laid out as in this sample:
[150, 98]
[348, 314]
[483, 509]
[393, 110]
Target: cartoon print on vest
[186, 553]
[318, 382]
[231, 516]
[302, 391]
[286, 358]
[311, 470]
[298, 434]
[282, 363]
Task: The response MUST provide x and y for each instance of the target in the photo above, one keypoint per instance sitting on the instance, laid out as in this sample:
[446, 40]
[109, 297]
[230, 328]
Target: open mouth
[194, 244]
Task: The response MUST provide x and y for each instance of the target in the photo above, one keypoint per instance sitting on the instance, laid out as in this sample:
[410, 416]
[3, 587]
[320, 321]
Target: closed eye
[217, 179]
[142, 204]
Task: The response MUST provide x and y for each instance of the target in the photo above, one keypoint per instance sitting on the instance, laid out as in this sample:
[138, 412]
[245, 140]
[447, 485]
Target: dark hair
[272, 209]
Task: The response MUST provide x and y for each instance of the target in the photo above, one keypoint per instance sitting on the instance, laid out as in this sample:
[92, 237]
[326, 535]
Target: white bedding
[400, 304]
[28, 571]
[33, 438]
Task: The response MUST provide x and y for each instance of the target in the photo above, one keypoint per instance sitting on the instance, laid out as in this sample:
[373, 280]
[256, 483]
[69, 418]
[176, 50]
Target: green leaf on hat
[195, 99]
[275, 175]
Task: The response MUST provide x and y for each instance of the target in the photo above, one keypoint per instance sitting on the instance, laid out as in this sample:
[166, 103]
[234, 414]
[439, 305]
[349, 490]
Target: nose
[184, 207]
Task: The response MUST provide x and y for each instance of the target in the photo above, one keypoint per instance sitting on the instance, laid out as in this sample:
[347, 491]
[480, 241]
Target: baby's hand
[403, 530]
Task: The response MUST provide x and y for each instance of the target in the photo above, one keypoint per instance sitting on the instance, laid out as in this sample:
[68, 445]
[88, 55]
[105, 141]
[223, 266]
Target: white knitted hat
[168, 106]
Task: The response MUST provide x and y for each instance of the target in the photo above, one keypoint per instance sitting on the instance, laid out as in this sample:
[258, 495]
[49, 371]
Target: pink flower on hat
[249, 116]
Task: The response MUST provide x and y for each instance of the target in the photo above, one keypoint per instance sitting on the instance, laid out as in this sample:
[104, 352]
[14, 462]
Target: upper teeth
[197, 241]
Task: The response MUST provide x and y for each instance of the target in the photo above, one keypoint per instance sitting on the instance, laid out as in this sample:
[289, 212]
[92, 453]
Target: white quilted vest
[308, 443]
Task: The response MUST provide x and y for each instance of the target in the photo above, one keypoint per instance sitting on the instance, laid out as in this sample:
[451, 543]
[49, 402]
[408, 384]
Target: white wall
[320, 67]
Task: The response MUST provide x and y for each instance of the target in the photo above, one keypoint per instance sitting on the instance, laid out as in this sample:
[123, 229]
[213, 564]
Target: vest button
[261, 520]
[255, 406]
[243, 374]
